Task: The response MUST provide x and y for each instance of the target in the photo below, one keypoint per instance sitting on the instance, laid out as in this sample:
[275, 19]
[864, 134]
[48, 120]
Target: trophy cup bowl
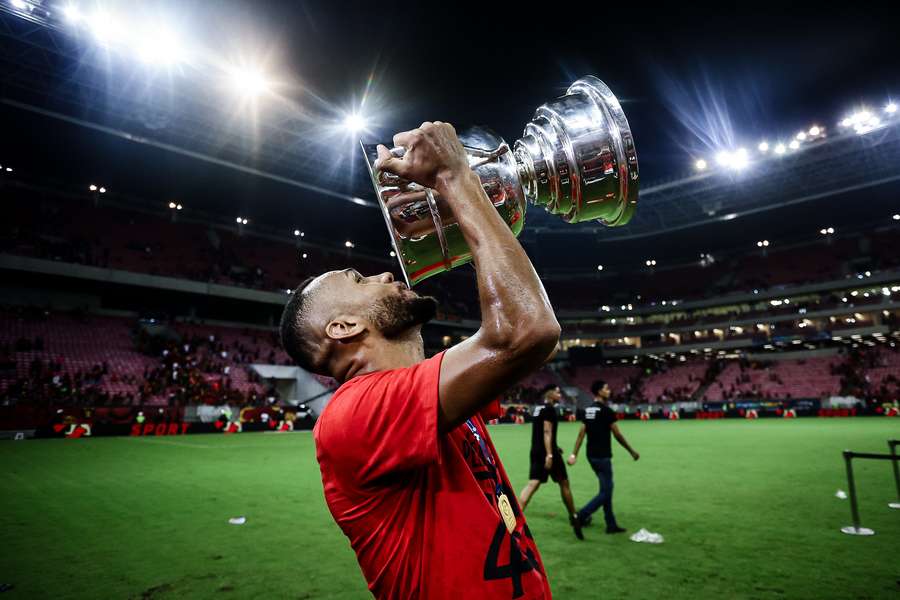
[576, 158]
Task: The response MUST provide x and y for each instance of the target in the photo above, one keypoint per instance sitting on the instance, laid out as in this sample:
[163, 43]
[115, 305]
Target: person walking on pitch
[599, 424]
[546, 456]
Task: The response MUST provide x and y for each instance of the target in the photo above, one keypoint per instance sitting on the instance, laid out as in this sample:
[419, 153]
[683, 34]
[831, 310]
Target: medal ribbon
[487, 456]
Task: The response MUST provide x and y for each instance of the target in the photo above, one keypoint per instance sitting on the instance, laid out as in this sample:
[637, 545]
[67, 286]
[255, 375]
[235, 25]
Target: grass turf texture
[747, 510]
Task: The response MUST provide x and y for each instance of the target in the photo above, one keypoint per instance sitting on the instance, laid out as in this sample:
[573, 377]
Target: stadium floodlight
[354, 123]
[830, 230]
[304, 255]
[9, 169]
[763, 146]
[103, 27]
[349, 244]
[780, 148]
[160, 47]
[392, 254]
[700, 164]
[238, 220]
[800, 136]
[72, 14]
[599, 267]
[296, 233]
[92, 187]
[847, 122]
[248, 81]
[171, 205]
[102, 190]
[724, 158]
[896, 217]
[891, 108]
[178, 207]
[244, 221]
[815, 130]
[19, 4]
[794, 144]
[740, 159]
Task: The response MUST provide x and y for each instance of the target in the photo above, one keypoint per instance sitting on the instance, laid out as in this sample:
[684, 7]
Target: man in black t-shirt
[599, 423]
[546, 456]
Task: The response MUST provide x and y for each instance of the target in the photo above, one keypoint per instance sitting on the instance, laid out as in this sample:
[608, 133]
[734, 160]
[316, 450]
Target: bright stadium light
[896, 217]
[102, 190]
[171, 205]
[891, 108]
[354, 123]
[700, 164]
[248, 81]
[72, 14]
[763, 146]
[599, 267]
[238, 220]
[9, 169]
[801, 136]
[160, 47]
[304, 255]
[92, 187]
[19, 4]
[815, 130]
[794, 144]
[349, 244]
[830, 230]
[393, 254]
[298, 233]
[724, 159]
[103, 27]
[740, 159]
[244, 221]
[780, 148]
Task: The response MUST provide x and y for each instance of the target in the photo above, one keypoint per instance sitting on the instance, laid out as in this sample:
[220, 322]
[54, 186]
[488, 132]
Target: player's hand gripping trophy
[576, 158]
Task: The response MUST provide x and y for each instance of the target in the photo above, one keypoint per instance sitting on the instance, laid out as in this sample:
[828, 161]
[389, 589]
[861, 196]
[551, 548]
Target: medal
[503, 505]
[506, 512]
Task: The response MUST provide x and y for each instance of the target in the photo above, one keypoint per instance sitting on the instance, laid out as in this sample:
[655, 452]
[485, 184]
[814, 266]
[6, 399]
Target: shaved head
[334, 311]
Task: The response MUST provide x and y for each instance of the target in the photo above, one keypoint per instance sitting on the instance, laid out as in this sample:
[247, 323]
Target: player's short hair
[597, 386]
[547, 388]
[295, 335]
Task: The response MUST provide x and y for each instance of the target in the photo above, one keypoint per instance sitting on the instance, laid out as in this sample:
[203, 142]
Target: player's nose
[386, 277]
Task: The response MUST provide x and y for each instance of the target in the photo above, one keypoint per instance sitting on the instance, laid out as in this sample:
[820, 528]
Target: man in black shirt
[599, 422]
[546, 456]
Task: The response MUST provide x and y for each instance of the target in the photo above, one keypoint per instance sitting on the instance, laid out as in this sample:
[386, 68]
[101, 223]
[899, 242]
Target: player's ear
[344, 328]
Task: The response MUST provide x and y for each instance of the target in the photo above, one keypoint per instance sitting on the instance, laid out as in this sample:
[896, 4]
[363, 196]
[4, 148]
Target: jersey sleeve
[385, 425]
[611, 417]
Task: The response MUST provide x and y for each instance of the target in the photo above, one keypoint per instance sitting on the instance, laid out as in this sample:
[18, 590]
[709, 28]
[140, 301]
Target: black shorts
[557, 472]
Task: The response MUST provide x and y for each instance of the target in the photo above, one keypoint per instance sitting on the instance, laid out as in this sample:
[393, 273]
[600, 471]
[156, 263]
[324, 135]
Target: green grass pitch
[748, 510]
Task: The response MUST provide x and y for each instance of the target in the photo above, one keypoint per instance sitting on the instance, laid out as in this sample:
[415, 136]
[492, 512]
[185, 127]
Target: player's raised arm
[518, 328]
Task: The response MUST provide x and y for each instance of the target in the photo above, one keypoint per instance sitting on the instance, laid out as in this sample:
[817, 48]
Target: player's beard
[394, 315]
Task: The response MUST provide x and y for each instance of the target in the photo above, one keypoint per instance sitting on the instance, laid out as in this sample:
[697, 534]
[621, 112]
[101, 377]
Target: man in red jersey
[409, 471]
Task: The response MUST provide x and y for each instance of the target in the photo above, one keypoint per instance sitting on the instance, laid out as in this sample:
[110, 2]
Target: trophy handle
[439, 227]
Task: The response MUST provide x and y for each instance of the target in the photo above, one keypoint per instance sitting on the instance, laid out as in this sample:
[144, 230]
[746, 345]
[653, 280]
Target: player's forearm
[548, 442]
[621, 439]
[515, 310]
[578, 441]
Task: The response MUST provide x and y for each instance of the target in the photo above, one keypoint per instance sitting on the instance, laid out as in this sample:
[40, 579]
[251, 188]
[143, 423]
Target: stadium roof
[693, 83]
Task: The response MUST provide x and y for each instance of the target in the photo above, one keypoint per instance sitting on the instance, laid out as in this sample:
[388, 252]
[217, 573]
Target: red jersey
[420, 508]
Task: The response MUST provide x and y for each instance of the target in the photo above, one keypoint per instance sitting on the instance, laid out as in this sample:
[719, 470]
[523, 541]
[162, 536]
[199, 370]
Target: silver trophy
[576, 158]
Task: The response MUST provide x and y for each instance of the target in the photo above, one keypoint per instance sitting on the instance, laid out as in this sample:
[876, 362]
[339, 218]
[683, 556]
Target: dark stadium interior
[133, 295]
